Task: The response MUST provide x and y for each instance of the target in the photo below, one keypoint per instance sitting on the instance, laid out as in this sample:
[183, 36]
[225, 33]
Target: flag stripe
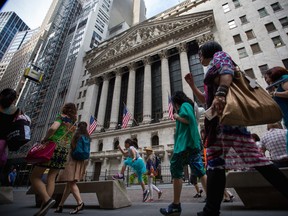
[170, 108]
[92, 125]
[126, 117]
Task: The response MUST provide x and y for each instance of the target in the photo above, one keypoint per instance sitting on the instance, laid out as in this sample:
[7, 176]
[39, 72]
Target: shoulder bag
[247, 103]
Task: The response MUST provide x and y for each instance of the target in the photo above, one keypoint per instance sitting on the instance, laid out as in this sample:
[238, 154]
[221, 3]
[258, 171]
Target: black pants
[216, 180]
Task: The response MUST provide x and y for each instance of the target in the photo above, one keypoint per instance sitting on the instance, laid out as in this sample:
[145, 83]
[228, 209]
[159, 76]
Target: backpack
[82, 149]
[19, 133]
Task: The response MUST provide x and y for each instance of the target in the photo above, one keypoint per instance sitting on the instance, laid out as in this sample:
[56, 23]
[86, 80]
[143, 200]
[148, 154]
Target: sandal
[78, 208]
[59, 209]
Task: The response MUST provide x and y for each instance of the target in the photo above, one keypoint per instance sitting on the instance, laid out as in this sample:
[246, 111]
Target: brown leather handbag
[247, 103]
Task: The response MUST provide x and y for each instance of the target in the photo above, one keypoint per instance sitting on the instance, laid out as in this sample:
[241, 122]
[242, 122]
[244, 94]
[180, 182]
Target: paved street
[25, 205]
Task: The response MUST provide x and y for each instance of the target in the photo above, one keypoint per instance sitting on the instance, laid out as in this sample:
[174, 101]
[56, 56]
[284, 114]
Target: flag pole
[131, 115]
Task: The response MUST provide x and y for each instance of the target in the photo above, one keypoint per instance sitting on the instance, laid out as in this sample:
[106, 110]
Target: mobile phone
[208, 114]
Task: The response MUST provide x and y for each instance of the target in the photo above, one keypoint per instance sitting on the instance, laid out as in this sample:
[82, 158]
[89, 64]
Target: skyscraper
[10, 24]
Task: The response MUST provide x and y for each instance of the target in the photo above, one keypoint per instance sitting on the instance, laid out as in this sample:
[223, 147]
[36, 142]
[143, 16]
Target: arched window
[155, 140]
[116, 143]
[100, 146]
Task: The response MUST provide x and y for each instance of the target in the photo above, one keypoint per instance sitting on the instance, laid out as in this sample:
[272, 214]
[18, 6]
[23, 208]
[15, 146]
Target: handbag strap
[66, 132]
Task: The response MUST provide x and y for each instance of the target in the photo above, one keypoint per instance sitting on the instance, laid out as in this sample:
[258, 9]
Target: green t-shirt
[187, 135]
[66, 123]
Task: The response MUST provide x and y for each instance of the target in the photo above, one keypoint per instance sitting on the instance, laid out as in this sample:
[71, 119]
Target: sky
[33, 12]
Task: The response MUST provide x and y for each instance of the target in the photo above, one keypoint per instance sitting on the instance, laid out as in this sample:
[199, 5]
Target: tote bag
[82, 149]
[41, 153]
[247, 103]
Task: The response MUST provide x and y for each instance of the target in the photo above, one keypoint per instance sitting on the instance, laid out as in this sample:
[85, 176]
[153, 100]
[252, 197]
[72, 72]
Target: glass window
[139, 91]
[82, 105]
[232, 24]
[236, 3]
[243, 19]
[284, 21]
[276, 7]
[157, 113]
[175, 74]
[250, 34]
[80, 94]
[242, 52]
[285, 62]
[237, 38]
[263, 68]
[250, 73]
[226, 8]
[255, 48]
[277, 41]
[262, 12]
[109, 103]
[270, 27]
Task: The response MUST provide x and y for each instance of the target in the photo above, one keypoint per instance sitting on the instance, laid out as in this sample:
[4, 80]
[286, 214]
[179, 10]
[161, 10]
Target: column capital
[132, 66]
[93, 80]
[147, 60]
[118, 71]
[163, 54]
[182, 47]
[106, 76]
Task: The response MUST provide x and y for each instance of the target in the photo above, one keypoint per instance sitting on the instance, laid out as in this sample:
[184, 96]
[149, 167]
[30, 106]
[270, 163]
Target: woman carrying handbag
[60, 132]
[227, 146]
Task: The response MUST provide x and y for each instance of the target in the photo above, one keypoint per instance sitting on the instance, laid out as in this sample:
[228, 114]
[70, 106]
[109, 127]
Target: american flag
[126, 117]
[170, 108]
[92, 125]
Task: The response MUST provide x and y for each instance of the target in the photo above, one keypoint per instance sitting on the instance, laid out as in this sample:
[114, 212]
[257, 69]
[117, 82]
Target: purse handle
[66, 132]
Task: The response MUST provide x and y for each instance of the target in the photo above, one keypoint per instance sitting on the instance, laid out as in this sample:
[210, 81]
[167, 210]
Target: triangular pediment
[145, 35]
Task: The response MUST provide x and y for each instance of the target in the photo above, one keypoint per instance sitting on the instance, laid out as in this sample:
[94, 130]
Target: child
[135, 161]
[187, 149]
[151, 172]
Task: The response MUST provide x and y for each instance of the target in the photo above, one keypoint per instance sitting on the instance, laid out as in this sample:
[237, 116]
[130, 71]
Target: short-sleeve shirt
[187, 135]
[130, 154]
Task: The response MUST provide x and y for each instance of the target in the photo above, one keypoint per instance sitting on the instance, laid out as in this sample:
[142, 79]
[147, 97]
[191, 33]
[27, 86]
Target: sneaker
[118, 176]
[173, 210]
[46, 207]
[198, 195]
[145, 195]
[160, 194]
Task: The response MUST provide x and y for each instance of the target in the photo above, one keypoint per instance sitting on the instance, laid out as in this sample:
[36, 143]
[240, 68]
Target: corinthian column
[147, 99]
[116, 99]
[182, 48]
[165, 81]
[103, 102]
[131, 91]
[90, 99]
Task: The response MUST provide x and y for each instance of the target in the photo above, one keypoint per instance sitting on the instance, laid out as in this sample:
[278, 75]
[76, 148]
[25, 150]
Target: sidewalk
[25, 205]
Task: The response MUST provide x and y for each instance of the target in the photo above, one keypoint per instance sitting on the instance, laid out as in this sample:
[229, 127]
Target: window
[276, 7]
[250, 73]
[242, 52]
[284, 21]
[237, 38]
[77, 105]
[155, 140]
[243, 19]
[232, 24]
[270, 27]
[236, 3]
[100, 146]
[255, 48]
[285, 62]
[82, 105]
[277, 41]
[262, 12]
[79, 118]
[250, 34]
[263, 68]
[226, 8]
[82, 84]
[84, 93]
[80, 93]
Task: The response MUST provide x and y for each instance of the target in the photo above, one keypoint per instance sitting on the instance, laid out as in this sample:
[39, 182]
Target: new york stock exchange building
[139, 70]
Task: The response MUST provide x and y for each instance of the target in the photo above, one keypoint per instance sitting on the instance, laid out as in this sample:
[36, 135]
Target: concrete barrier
[6, 195]
[255, 191]
[111, 194]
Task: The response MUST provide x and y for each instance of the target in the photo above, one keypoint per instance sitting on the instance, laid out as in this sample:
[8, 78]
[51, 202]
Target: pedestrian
[280, 93]
[60, 132]
[8, 112]
[135, 161]
[187, 149]
[74, 172]
[226, 144]
[12, 177]
[275, 140]
[152, 172]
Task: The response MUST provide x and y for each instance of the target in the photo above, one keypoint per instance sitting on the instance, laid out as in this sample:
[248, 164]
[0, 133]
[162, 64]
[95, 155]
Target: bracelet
[222, 90]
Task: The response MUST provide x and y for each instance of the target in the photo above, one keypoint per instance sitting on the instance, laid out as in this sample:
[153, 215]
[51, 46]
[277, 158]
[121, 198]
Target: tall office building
[10, 24]
[145, 64]
[18, 41]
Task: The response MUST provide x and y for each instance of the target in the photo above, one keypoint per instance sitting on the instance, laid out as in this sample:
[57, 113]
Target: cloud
[155, 7]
